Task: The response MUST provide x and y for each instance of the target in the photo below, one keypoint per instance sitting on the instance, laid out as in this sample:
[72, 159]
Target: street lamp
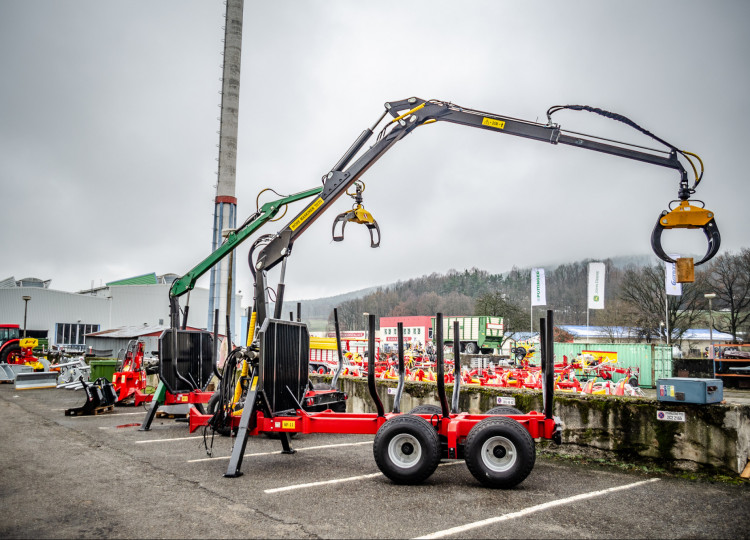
[25, 309]
[661, 330]
[710, 297]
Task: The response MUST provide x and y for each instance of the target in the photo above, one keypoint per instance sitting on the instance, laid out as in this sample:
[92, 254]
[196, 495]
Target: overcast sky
[109, 131]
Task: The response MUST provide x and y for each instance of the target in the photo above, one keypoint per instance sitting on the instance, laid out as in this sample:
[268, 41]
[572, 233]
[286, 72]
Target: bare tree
[729, 277]
[643, 289]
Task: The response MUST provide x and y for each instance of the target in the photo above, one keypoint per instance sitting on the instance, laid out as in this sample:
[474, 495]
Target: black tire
[7, 352]
[427, 409]
[503, 409]
[471, 348]
[499, 452]
[633, 382]
[407, 449]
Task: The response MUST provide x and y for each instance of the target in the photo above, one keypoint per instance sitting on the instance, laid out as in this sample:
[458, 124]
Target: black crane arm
[408, 114]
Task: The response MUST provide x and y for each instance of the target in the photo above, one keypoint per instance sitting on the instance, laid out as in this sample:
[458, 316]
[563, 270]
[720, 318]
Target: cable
[627, 121]
[257, 201]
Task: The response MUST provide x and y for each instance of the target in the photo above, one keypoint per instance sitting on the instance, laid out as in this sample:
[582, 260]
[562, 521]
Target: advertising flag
[596, 286]
[670, 274]
[538, 291]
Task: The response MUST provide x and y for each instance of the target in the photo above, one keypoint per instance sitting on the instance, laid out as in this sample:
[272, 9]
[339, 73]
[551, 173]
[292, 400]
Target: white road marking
[105, 415]
[533, 509]
[339, 480]
[323, 483]
[169, 440]
[277, 451]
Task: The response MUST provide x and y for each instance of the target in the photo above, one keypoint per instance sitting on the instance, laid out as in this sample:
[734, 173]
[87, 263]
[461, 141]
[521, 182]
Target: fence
[653, 361]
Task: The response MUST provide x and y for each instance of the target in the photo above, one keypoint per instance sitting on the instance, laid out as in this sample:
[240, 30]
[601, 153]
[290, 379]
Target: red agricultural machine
[131, 379]
[273, 386]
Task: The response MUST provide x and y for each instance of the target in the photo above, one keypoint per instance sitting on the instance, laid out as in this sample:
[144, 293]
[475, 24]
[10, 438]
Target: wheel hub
[404, 450]
[499, 454]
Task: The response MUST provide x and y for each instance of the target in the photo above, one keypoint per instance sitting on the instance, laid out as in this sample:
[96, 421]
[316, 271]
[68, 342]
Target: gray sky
[109, 119]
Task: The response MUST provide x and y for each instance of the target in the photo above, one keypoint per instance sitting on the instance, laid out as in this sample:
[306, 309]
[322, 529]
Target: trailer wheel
[407, 449]
[500, 453]
[427, 409]
[471, 348]
[503, 409]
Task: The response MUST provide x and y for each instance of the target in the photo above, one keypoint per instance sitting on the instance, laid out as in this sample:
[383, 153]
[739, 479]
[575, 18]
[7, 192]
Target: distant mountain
[320, 308]
[466, 284]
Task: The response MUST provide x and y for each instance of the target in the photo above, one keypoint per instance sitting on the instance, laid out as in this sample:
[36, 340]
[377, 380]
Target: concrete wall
[714, 436]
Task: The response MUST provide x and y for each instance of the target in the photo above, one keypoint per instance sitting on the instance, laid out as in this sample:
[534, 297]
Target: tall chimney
[225, 209]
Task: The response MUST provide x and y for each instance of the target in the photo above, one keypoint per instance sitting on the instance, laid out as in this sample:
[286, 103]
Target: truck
[478, 333]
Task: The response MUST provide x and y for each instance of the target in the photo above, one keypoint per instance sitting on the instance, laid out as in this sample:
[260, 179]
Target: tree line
[635, 297]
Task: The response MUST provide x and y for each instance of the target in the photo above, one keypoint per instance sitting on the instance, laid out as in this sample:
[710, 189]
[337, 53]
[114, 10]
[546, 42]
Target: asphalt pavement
[100, 477]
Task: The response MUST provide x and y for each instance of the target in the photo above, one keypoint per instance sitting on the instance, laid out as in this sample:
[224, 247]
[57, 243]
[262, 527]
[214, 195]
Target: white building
[64, 318]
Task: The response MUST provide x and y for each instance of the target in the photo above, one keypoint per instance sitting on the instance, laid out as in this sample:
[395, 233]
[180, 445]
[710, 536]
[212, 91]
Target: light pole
[25, 309]
[710, 297]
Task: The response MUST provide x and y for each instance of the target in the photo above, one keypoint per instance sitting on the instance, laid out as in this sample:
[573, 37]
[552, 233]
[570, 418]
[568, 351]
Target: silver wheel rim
[404, 450]
[499, 454]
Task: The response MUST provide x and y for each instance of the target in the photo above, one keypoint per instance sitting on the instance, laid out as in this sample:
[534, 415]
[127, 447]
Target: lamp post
[25, 310]
[710, 297]
[661, 330]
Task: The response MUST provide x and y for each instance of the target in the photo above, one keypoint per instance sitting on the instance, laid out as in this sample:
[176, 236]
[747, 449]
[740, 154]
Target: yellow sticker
[492, 122]
[309, 211]
[255, 383]
[288, 424]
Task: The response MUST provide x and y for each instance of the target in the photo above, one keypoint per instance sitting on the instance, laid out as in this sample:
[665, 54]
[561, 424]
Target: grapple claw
[687, 216]
[343, 219]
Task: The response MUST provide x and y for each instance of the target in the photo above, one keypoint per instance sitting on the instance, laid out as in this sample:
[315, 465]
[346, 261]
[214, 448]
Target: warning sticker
[506, 400]
[288, 424]
[670, 416]
[493, 122]
[309, 211]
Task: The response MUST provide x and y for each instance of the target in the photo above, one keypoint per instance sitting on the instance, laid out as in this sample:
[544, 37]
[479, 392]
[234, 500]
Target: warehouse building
[64, 319]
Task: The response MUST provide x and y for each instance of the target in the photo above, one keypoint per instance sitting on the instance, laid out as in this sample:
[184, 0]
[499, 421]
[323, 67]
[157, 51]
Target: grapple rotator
[357, 214]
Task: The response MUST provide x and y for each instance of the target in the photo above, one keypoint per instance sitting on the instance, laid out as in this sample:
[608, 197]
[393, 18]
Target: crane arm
[265, 213]
[408, 114]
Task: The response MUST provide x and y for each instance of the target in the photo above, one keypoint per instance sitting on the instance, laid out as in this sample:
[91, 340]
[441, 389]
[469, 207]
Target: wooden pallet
[95, 412]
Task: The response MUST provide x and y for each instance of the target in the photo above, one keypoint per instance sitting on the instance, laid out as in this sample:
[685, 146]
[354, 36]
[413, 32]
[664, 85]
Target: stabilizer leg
[158, 399]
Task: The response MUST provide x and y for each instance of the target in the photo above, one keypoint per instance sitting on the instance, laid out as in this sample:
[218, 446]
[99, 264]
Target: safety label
[288, 424]
[670, 416]
[493, 122]
[506, 400]
[309, 211]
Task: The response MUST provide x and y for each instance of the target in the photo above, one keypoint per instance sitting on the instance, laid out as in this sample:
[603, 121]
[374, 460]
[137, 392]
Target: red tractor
[10, 347]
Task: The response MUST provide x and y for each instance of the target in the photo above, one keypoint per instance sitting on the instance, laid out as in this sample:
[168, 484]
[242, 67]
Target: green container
[653, 361]
[103, 368]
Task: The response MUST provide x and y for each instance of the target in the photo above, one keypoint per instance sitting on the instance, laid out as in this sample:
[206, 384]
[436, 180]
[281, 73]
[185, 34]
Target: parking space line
[277, 451]
[106, 415]
[323, 483]
[339, 480]
[532, 509]
[169, 440]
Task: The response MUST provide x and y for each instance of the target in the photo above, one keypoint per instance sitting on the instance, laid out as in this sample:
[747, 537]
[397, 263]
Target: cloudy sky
[109, 131]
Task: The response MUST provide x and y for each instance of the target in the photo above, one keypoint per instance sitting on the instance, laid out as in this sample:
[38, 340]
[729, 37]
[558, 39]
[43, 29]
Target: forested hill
[473, 292]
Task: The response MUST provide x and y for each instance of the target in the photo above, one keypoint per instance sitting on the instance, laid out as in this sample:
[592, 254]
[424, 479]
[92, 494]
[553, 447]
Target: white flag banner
[538, 290]
[596, 286]
[670, 277]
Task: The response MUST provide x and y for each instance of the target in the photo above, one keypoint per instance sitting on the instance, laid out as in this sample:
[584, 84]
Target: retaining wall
[713, 436]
